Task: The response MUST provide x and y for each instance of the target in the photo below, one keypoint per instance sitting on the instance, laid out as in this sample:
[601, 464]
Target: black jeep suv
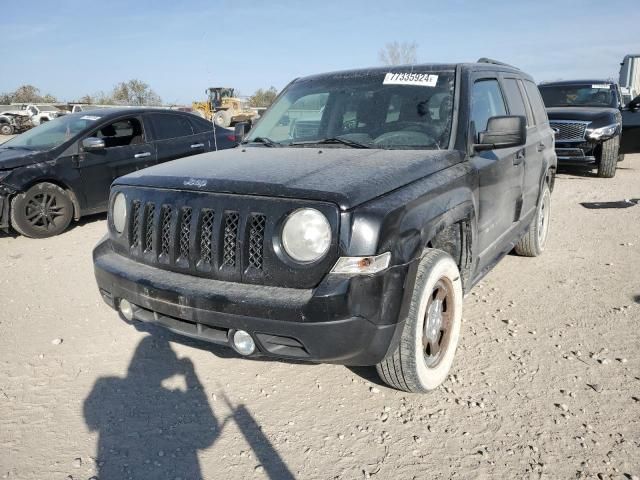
[348, 226]
[591, 125]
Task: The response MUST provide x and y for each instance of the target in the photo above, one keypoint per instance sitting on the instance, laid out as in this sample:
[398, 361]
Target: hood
[10, 158]
[587, 114]
[346, 177]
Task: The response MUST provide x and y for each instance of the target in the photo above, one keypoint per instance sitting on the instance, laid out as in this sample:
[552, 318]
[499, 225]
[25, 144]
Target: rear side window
[168, 126]
[200, 125]
[486, 102]
[514, 99]
[539, 112]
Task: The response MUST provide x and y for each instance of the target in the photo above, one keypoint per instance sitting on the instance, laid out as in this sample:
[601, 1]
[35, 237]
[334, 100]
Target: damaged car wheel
[42, 211]
[422, 359]
[6, 129]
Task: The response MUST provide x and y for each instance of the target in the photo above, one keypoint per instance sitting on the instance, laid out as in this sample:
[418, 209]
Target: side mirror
[503, 132]
[240, 130]
[93, 144]
[634, 105]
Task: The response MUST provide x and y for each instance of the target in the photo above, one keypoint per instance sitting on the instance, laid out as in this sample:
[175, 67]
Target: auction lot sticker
[415, 79]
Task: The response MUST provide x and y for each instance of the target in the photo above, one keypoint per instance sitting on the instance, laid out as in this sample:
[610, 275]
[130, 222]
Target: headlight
[119, 212]
[306, 235]
[602, 132]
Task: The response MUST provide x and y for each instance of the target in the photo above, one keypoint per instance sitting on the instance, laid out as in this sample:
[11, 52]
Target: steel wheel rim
[543, 220]
[438, 323]
[42, 211]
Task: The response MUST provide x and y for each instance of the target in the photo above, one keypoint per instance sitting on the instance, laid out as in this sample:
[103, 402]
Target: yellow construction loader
[223, 108]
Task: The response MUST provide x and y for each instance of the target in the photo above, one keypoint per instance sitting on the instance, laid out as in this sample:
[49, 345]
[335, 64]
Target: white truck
[18, 117]
[630, 77]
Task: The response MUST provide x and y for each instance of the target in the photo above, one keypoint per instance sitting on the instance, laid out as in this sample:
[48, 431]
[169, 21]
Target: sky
[75, 47]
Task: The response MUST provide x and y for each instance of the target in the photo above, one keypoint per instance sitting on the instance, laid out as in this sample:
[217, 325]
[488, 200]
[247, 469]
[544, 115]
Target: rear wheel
[42, 211]
[422, 359]
[222, 118]
[609, 158]
[534, 241]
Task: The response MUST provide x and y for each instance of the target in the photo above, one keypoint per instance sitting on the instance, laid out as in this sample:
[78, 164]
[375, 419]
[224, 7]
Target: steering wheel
[404, 137]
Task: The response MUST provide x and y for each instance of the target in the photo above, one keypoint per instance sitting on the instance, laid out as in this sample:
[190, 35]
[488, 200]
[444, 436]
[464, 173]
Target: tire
[620, 157]
[609, 158]
[222, 119]
[534, 241]
[42, 211]
[6, 129]
[421, 361]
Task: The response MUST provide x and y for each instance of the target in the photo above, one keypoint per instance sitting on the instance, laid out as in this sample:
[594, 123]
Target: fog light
[243, 343]
[126, 309]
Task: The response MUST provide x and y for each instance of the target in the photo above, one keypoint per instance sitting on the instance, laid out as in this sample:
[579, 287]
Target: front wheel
[609, 158]
[423, 357]
[42, 211]
[6, 129]
[222, 118]
[534, 241]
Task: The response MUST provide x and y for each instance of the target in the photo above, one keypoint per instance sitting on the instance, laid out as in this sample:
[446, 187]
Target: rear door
[127, 149]
[174, 136]
[500, 171]
[630, 141]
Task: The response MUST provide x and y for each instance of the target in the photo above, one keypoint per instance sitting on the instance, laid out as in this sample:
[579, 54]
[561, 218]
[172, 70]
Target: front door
[630, 141]
[500, 173]
[126, 150]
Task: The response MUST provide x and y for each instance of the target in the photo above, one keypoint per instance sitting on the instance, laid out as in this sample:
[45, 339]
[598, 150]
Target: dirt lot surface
[546, 382]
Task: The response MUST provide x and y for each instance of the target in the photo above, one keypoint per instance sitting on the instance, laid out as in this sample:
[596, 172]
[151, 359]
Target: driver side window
[486, 102]
[121, 133]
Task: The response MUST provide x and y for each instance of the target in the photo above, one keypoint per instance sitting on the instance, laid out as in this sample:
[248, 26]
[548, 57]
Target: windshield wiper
[333, 140]
[267, 142]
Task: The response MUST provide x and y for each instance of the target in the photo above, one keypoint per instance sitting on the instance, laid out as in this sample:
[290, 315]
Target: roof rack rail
[495, 62]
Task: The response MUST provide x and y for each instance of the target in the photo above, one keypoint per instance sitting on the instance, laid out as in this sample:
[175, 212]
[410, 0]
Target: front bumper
[4, 212]
[345, 320]
[572, 153]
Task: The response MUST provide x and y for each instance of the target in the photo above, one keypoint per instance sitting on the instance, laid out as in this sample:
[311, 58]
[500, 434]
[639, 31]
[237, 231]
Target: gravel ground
[546, 382]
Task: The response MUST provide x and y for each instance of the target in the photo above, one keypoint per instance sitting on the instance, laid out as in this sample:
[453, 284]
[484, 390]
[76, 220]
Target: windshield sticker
[601, 85]
[415, 79]
[90, 117]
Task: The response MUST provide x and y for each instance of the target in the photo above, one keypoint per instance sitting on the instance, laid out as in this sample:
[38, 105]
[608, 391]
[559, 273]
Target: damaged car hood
[13, 158]
[346, 177]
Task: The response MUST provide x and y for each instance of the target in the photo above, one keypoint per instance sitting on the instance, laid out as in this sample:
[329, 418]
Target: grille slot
[150, 211]
[569, 131]
[185, 232]
[135, 224]
[256, 240]
[165, 229]
[206, 236]
[230, 241]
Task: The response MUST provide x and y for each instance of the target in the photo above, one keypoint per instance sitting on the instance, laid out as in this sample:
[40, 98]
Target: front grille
[231, 238]
[230, 249]
[256, 240]
[567, 131]
[149, 213]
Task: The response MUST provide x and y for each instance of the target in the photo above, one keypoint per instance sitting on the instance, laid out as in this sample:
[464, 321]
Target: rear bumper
[345, 320]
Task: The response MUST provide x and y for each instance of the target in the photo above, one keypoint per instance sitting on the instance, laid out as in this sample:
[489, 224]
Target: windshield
[584, 95]
[391, 110]
[51, 134]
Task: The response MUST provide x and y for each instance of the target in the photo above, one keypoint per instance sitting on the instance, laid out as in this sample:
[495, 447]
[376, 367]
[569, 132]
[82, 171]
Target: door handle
[541, 147]
[142, 155]
[519, 157]
[197, 145]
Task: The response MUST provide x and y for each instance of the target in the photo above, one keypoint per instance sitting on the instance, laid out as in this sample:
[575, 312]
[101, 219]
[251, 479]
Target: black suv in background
[62, 169]
[351, 237]
[591, 125]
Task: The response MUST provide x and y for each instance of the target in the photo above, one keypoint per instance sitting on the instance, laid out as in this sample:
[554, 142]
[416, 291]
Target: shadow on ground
[152, 423]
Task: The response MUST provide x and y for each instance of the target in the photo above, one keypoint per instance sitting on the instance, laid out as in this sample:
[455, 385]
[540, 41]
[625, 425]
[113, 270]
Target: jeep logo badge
[195, 182]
